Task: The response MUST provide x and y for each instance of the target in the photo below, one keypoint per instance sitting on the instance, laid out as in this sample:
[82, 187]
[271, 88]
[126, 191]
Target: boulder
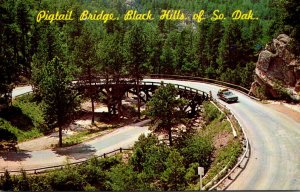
[277, 73]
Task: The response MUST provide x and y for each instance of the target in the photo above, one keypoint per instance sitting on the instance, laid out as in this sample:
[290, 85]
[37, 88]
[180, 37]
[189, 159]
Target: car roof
[223, 90]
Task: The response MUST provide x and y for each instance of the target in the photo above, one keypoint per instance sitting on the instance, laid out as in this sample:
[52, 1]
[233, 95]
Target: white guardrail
[216, 181]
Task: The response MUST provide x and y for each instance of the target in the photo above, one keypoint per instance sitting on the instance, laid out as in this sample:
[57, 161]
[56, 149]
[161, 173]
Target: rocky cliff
[277, 72]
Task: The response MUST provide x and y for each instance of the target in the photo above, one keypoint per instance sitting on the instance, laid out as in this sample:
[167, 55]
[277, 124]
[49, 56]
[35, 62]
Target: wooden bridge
[113, 91]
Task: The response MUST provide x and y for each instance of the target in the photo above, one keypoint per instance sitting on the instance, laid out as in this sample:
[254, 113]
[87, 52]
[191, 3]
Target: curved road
[274, 138]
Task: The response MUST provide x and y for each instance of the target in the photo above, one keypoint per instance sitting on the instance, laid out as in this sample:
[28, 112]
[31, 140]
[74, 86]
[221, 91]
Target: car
[227, 95]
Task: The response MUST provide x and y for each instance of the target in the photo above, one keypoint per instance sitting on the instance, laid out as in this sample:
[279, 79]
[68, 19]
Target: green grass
[19, 134]
[75, 139]
[31, 108]
[84, 135]
[23, 120]
[226, 155]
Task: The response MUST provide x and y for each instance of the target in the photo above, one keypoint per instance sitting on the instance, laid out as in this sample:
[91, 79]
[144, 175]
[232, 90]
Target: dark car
[227, 96]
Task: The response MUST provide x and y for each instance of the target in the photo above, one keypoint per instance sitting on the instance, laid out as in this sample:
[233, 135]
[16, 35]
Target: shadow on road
[15, 156]
[77, 152]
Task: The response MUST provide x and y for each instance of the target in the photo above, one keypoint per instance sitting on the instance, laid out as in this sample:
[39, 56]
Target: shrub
[14, 132]
[140, 151]
[6, 135]
[6, 182]
[191, 173]
[39, 183]
[32, 109]
[210, 112]
[198, 149]
[66, 179]
[173, 176]
[123, 177]
[88, 187]
[23, 182]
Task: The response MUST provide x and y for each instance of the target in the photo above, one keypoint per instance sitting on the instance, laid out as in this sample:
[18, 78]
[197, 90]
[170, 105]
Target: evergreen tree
[59, 99]
[173, 176]
[24, 22]
[183, 46]
[135, 54]
[199, 49]
[111, 54]
[214, 35]
[154, 48]
[229, 52]
[85, 58]
[165, 109]
[291, 18]
[49, 45]
[7, 183]
[168, 59]
[123, 177]
[9, 51]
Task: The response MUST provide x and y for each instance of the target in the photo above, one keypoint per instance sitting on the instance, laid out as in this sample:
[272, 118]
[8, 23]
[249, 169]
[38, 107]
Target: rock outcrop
[277, 73]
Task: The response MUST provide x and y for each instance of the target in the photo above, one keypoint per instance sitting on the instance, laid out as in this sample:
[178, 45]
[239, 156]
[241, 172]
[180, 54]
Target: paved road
[274, 138]
[122, 137]
[275, 142]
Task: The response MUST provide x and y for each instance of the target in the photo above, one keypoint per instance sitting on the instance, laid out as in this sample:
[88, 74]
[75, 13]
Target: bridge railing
[214, 181]
[207, 80]
[101, 81]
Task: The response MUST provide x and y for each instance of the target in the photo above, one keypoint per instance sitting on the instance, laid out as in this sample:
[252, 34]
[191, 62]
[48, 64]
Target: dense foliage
[165, 109]
[23, 121]
[50, 55]
[223, 50]
[151, 165]
[59, 100]
[292, 8]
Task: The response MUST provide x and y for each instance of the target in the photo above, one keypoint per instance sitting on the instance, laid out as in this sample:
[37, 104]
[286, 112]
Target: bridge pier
[113, 92]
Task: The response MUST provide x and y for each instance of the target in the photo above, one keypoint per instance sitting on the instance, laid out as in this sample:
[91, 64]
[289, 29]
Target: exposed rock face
[277, 72]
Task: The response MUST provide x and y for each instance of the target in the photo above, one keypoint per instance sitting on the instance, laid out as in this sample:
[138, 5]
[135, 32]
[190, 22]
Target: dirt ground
[222, 139]
[80, 124]
[292, 111]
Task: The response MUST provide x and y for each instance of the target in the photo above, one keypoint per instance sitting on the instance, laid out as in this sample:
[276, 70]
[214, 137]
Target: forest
[225, 50]
[50, 56]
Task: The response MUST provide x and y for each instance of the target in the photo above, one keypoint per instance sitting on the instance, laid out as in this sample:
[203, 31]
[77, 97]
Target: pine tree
[59, 99]
[163, 109]
[229, 51]
[173, 176]
[9, 51]
[291, 18]
[154, 48]
[111, 54]
[200, 44]
[168, 59]
[135, 54]
[214, 35]
[85, 58]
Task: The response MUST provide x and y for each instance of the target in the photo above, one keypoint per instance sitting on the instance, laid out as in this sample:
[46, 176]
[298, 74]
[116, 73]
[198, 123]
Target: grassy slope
[24, 119]
[224, 155]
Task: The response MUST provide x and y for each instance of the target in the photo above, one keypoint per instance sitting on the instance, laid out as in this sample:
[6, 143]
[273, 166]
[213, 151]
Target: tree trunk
[138, 97]
[93, 110]
[119, 97]
[170, 135]
[119, 108]
[60, 136]
[91, 95]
